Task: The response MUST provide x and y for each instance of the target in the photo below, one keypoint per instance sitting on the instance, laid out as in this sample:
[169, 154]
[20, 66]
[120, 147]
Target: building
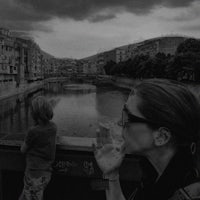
[35, 62]
[21, 60]
[166, 45]
[93, 64]
[151, 47]
[8, 69]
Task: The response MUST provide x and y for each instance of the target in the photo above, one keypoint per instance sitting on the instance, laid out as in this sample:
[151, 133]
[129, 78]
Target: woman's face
[138, 136]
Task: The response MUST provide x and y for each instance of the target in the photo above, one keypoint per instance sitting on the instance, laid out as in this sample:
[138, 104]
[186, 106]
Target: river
[78, 109]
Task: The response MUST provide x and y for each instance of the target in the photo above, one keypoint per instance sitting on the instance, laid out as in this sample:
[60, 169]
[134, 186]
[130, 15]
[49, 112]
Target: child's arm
[28, 141]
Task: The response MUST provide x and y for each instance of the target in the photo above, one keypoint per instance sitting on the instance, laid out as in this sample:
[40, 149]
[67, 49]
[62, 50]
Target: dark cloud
[23, 17]
[186, 15]
[81, 9]
[25, 14]
[99, 18]
[24, 25]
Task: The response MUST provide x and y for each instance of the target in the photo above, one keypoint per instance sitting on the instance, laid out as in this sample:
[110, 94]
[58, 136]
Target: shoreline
[23, 90]
[116, 81]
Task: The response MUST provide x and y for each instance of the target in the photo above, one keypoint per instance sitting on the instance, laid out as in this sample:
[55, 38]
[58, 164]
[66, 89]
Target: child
[39, 146]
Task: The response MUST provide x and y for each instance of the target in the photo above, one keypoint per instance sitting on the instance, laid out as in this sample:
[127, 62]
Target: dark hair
[41, 109]
[173, 105]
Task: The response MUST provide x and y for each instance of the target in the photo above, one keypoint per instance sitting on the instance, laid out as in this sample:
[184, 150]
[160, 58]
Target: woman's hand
[108, 155]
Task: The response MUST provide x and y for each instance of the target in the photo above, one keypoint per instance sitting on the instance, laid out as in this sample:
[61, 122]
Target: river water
[78, 109]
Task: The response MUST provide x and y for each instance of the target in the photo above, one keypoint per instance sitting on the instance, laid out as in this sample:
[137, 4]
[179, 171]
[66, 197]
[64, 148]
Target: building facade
[8, 69]
[151, 47]
[21, 61]
[166, 45]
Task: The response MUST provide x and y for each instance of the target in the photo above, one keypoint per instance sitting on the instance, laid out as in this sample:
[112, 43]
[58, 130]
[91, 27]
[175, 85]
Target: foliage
[109, 67]
[189, 45]
[186, 58]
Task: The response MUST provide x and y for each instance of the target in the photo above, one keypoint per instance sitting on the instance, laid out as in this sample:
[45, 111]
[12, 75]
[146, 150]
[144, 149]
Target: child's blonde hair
[41, 110]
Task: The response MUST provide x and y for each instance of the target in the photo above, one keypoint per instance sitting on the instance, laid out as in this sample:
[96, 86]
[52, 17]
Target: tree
[109, 67]
[159, 65]
[189, 45]
[187, 59]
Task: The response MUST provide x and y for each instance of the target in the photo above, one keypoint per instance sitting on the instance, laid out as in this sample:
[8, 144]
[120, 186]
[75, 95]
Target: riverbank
[22, 90]
[101, 80]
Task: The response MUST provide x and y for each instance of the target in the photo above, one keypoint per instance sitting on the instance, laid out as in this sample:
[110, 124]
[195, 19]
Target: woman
[161, 123]
[40, 147]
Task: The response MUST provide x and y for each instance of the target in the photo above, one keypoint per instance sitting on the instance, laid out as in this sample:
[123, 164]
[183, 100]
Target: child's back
[40, 147]
[41, 140]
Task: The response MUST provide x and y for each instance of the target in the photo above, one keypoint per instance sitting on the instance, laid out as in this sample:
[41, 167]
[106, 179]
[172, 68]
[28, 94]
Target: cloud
[82, 9]
[22, 17]
[193, 27]
[185, 14]
[99, 18]
[26, 14]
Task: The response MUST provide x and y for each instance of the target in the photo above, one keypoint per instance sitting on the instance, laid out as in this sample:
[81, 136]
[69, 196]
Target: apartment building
[166, 45]
[35, 62]
[116, 55]
[21, 60]
[8, 69]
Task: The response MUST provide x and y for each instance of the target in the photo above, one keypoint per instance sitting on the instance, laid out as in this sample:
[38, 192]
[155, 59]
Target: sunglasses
[128, 117]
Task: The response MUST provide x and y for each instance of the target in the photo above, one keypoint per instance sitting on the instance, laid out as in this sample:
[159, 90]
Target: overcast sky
[80, 28]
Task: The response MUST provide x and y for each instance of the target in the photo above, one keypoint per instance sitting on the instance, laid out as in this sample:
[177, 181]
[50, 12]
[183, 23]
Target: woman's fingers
[107, 148]
[108, 157]
[105, 133]
[102, 138]
[99, 139]
[108, 138]
[94, 148]
[97, 151]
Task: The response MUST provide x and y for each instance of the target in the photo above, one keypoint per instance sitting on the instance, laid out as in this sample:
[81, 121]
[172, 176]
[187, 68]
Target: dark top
[41, 142]
[180, 172]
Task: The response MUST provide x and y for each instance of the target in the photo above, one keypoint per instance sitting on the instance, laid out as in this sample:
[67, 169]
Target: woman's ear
[162, 136]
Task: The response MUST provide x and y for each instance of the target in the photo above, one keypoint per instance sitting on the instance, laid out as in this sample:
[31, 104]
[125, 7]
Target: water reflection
[76, 112]
[109, 103]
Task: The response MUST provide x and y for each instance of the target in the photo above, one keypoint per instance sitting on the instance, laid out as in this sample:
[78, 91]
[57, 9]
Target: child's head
[41, 110]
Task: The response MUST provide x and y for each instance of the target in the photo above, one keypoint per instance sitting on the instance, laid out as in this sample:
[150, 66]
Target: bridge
[74, 166]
